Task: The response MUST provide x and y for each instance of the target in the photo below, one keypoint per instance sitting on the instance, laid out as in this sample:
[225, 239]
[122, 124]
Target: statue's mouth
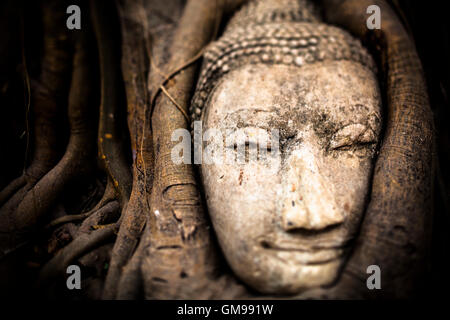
[307, 252]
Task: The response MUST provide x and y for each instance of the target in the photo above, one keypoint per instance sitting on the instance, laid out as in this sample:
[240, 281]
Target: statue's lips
[304, 253]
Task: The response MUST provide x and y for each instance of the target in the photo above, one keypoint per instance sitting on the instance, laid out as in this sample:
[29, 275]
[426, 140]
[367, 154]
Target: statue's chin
[282, 272]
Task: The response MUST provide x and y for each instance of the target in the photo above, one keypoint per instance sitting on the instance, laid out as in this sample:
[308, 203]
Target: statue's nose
[308, 201]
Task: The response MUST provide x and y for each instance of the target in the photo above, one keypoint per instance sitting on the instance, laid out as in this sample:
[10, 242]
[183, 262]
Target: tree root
[111, 140]
[77, 248]
[130, 284]
[105, 214]
[17, 222]
[108, 196]
[48, 94]
[134, 216]
[100, 215]
[12, 188]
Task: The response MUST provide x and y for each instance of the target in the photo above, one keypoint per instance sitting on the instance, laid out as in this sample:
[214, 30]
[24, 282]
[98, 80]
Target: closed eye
[250, 145]
[352, 135]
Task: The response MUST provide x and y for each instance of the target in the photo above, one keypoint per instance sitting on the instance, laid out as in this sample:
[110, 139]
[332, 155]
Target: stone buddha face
[285, 222]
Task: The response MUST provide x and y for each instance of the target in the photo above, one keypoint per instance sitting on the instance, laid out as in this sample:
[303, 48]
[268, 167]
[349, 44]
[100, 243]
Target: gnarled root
[48, 103]
[135, 68]
[77, 248]
[102, 206]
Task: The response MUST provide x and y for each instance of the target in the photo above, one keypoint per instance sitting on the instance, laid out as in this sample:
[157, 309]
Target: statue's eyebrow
[266, 128]
[253, 111]
[249, 118]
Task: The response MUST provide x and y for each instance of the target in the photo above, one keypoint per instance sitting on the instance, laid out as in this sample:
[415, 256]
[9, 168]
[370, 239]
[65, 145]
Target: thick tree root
[111, 139]
[76, 162]
[130, 284]
[48, 101]
[135, 66]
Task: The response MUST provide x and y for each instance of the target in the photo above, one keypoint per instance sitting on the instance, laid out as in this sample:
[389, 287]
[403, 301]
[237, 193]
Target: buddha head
[286, 220]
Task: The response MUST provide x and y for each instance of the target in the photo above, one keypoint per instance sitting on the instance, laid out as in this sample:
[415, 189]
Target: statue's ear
[395, 231]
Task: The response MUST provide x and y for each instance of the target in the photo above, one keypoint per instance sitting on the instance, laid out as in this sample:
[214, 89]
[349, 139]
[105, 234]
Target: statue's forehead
[264, 91]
